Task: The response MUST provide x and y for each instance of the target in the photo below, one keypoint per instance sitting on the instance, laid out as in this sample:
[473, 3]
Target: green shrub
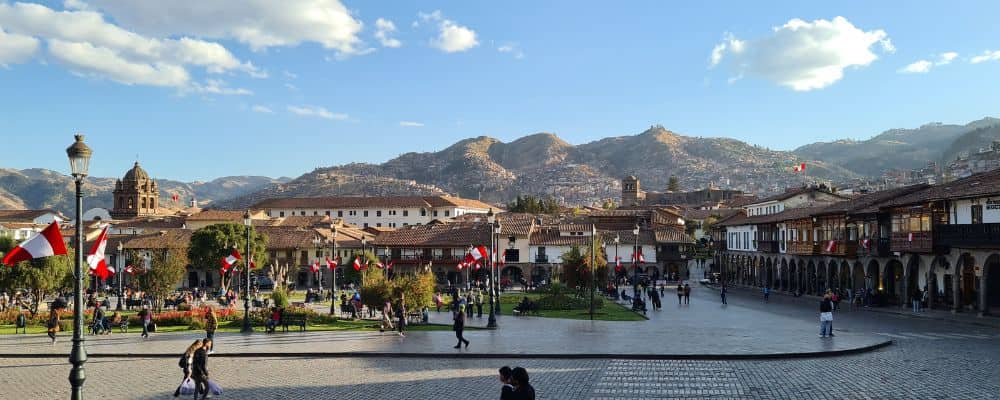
[563, 301]
[280, 298]
[197, 324]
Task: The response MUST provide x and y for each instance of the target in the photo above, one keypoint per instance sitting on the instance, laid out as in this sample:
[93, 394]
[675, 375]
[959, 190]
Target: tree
[41, 277]
[609, 204]
[211, 243]
[673, 184]
[350, 275]
[576, 265]
[534, 205]
[165, 272]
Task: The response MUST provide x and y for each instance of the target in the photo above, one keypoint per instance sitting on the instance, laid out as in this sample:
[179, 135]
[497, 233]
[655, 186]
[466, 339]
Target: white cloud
[215, 86]
[987, 55]
[919, 67]
[802, 55]
[313, 111]
[258, 23]
[452, 37]
[261, 109]
[925, 66]
[15, 48]
[291, 87]
[289, 75]
[410, 124]
[89, 45]
[513, 49]
[75, 5]
[383, 29]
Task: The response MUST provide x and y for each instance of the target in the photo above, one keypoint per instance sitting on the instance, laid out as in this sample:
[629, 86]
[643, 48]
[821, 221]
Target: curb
[775, 356]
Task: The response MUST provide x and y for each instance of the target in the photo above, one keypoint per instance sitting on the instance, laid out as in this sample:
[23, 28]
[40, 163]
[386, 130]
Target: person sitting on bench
[524, 306]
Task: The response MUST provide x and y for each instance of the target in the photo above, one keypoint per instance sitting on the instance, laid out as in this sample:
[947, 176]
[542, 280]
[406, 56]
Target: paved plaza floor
[927, 360]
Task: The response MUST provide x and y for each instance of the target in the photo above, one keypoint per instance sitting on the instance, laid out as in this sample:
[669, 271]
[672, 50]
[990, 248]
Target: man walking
[767, 294]
[826, 317]
[723, 293]
[687, 294]
[479, 303]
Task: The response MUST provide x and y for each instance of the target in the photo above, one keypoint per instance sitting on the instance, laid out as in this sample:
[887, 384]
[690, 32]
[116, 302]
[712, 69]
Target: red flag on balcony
[909, 237]
[831, 246]
[331, 264]
[865, 244]
[618, 264]
[314, 267]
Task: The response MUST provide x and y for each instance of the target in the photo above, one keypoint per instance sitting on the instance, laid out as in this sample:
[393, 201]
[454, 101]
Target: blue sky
[280, 88]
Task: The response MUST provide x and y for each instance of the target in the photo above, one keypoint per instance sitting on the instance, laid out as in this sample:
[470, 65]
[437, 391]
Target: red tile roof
[457, 234]
[340, 202]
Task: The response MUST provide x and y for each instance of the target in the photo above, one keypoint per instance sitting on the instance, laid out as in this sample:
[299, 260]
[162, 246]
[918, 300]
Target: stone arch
[512, 272]
[911, 279]
[833, 275]
[938, 279]
[785, 277]
[812, 279]
[892, 282]
[822, 279]
[769, 274]
[966, 281]
[857, 276]
[991, 284]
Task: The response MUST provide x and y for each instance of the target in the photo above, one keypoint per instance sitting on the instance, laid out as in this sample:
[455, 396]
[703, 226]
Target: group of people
[516, 385]
[194, 364]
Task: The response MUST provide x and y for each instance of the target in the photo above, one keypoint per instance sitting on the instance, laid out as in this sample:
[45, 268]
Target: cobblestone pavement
[911, 370]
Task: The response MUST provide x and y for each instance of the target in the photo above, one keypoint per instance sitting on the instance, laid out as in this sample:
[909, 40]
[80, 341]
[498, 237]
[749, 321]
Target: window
[378, 225]
[406, 213]
[977, 214]
[366, 213]
[281, 214]
[435, 213]
[315, 213]
[366, 225]
[541, 251]
[447, 212]
[423, 212]
[319, 253]
[302, 213]
[377, 213]
[340, 213]
[327, 213]
[304, 256]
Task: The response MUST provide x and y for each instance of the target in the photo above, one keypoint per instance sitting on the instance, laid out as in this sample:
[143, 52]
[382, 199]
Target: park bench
[130, 303]
[532, 309]
[414, 318]
[293, 320]
[21, 323]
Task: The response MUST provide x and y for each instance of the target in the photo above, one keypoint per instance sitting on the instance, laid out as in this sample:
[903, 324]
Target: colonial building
[389, 212]
[941, 238]
[21, 224]
[633, 195]
[135, 195]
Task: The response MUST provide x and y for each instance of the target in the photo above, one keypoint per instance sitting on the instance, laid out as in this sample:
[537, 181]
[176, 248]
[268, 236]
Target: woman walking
[145, 317]
[401, 315]
[186, 362]
[199, 369]
[211, 324]
[386, 317]
[53, 325]
[826, 317]
[680, 293]
[522, 389]
[459, 327]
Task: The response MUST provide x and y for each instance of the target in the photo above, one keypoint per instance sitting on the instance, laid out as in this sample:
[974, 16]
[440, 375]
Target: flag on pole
[95, 259]
[331, 264]
[831, 246]
[314, 267]
[389, 265]
[233, 257]
[129, 269]
[800, 168]
[379, 264]
[865, 243]
[48, 242]
[460, 266]
[357, 263]
[618, 264]
[502, 257]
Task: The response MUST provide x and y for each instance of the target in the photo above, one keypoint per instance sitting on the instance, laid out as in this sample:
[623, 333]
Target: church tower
[630, 191]
[135, 195]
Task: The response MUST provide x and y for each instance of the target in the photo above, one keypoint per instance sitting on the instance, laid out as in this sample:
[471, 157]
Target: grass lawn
[611, 311]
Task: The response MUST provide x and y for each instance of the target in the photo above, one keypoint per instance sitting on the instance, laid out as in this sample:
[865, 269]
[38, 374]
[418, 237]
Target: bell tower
[630, 191]
[135, 195]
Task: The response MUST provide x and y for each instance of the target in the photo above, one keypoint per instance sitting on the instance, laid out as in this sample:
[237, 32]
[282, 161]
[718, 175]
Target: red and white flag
[48, 242]
[389, 265]
[314, 267]
[909, 237]
[469, 259]
[502, 257]
[460, 266]
[800, 168]
[865, 244]
[479, 252]
[618, 263]
[357, 263]
[253, 265]
[233, 257]
[379, 264]
[129, 269]
[331, 264]
[831, 246]
[95, 259]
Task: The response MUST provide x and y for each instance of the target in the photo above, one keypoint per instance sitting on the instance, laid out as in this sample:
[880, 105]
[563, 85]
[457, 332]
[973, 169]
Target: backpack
[183, 363]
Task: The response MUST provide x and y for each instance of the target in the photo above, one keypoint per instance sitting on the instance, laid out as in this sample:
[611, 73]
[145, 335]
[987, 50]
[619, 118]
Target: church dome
[136, 174]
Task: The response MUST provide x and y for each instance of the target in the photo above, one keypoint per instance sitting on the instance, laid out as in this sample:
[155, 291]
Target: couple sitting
[525, 306]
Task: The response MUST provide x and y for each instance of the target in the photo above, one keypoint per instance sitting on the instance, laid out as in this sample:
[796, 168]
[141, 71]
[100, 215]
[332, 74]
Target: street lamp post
[593, 267]
[119, 267]
[364, 271]
[492, 322]
[635, 253]
[333, 273]
[246, 284]
[618, 240]
[79, 161]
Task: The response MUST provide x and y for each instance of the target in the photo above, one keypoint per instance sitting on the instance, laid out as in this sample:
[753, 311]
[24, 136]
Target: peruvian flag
[253, 265]
[460, 266]
[233, 257]
[909, 237]
[95, 259]
[469, 259]
[389, 265]
[314, 267]
[47, 243]
[479, 252]
[502, 257]
[331, 264]
[357, 263]
[379, 264]
[865, 244]
[831, 246]
[800, 168]
[478, 265]
[129, 269]
[618, 264]
[640, 258]
[224, 267]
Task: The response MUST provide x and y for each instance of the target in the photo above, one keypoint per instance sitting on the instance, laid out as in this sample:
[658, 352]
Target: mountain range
[544, 165]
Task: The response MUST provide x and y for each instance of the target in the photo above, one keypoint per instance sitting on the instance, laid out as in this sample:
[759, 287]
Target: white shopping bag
[214, 388]
[187, 387]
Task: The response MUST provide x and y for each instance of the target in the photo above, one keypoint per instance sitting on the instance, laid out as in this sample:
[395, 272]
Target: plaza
[664, 357]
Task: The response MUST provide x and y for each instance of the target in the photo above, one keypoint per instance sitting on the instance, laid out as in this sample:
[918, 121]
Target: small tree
[350, 274]
[577, 267]
[165, 273]
[211, 243]
[41, 277]
[673, 184]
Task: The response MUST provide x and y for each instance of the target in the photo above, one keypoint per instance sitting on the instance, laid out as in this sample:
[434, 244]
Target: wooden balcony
[876, 248]
[803, 248]
[767, 246]
[967, 235]
[912, 242]
[843, 248]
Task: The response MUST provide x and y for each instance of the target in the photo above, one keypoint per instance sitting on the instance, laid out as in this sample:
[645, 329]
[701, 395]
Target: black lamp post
[119, 267]
[333, 272]
[593, 267]
[364, 271]
[79, 161]
[492, 322]
[247, 328]
[614, 274]
[636, 251]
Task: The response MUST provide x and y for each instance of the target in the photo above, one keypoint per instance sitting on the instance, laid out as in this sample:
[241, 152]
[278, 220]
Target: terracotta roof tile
[24, 215]
[336, 202]
[982, 184]
[164, 239]
[457, 234]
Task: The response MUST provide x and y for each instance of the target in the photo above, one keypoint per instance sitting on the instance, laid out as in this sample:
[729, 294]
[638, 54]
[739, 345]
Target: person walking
[211, 324]
[915, 299]
[459, 328]
[826, 317]
[479, 303]
[723, 291]
[52, 324]
[506, 390]
[925, 298]
[199, 369]
[680, 292]
[145, 318]
[186, 362]
[687, 294]
[401, 315]
[437, 301]
[522, 387]
[767, 294]
[386, 317]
